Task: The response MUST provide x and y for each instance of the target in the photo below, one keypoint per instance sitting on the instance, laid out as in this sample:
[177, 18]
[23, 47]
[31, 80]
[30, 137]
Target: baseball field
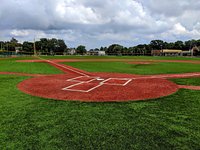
[89, 102]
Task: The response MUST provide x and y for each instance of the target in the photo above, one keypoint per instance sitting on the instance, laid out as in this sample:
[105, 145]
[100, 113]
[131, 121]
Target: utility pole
[191, 49]
[34, 48]
[192, 52]
[161, 49]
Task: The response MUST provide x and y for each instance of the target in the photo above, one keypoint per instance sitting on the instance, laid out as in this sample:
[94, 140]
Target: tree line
[145, 49]
[58, 46]
[43, 46]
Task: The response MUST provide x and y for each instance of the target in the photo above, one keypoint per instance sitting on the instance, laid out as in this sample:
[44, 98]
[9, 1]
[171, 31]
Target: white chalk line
[75, 79]
[80, 73]
[80, 82]
[70, 88]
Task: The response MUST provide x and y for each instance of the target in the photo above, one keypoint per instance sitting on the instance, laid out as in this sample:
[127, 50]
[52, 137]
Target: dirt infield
[189, 87]
[113, 90]
[80, 85]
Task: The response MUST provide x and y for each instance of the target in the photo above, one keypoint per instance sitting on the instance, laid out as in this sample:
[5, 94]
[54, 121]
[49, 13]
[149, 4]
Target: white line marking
[72, 79]
[95, 87]
[83, 81]
[127, 82]
[76, 90]
[64, 67]
[70, 69]
[100, 79]
[105, 80]
[126, 79]
[73, 85]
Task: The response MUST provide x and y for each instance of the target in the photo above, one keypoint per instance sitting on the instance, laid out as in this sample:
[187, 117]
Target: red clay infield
[137, 89]
[80, 85]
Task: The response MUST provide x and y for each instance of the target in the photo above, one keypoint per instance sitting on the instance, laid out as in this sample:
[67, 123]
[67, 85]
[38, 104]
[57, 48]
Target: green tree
[81, 50]
[101, 48]
[178, 45]
[2, 45]
[13, 40]
[114, 49]
[12, 44]
[27, 46]
[157, 44]
[61, 46]
[189, 44]
[170, 45]
[118, 49]
[44, 45]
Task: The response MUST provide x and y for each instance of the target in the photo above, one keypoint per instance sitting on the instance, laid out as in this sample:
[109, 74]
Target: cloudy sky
[96, 23]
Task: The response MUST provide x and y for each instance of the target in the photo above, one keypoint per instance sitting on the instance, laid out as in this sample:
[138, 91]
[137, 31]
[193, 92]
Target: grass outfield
[121, 57]
[147, 69]
[10, 65]
[187, 81]
[28, 122]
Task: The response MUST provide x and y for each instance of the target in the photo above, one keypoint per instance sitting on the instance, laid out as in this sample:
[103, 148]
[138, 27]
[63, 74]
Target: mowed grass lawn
[28, 122]
[10, 65]
[144, 69]
[121, 57]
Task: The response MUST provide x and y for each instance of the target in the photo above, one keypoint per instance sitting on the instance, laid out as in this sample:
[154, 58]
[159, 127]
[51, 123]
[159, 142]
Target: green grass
[123, 67]
[111, 57]
[10, 65]
[28, 122]
[187, 81]
[19, 58]
[121, 57]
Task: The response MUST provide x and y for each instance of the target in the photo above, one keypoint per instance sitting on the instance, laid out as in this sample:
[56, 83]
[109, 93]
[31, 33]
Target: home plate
[100, 79]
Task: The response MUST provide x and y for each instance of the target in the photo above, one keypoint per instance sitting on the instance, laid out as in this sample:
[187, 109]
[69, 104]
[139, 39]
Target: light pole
[34, 48]
[161, 49]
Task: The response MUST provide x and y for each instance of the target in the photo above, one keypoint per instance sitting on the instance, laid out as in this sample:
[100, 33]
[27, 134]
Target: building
[101, 53]
[156, 53]
[196, 51]
[97, 53]
[18, 49]
[70, 51]
[171, 52]
[166, 52]
[175, 52]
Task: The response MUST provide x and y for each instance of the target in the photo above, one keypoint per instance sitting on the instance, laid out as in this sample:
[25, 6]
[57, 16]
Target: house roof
[171, 51]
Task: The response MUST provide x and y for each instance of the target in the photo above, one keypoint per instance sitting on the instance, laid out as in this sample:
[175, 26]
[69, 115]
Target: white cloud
[179, 29]
[75, 12]
[19, 33]
[133, 14]
[114, 36]
[97, 23]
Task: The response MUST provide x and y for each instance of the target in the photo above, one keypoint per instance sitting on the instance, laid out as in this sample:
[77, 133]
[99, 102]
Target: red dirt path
[189, 87]
[139, 88]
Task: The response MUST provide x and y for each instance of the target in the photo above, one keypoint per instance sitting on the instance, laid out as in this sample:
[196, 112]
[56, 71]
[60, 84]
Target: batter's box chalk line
[87, 84]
